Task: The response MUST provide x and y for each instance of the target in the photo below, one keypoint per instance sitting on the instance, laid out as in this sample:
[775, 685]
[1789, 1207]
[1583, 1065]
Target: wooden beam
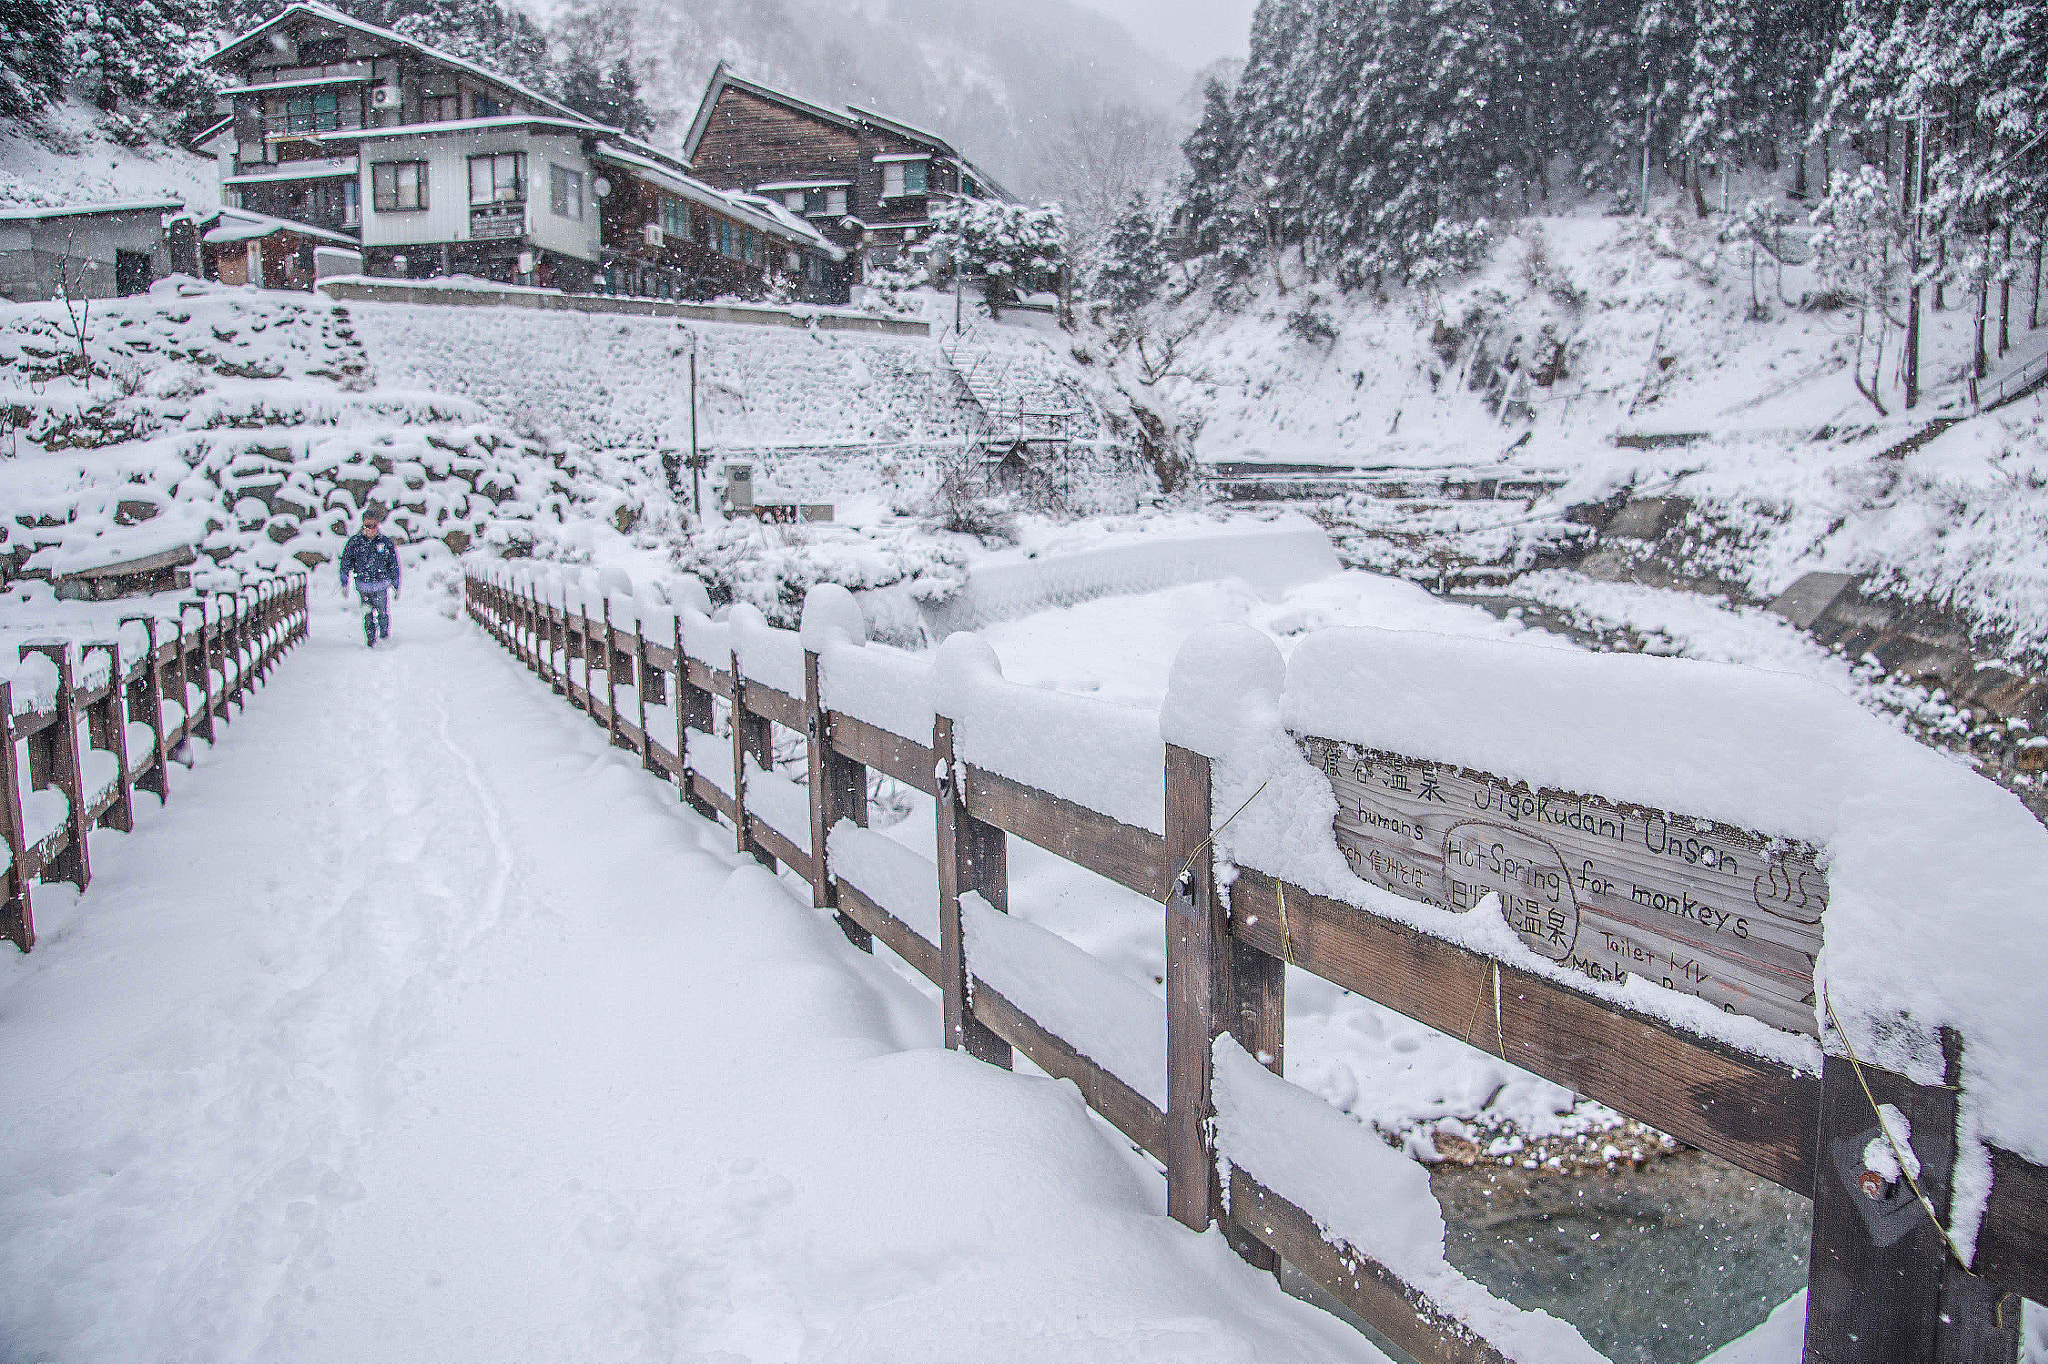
[53, 761]
[1396, 1309]
[838, 789]
[1881, 1286]
[1214, 985]
[972, 857]
[1751, 1112]
[779, 706]
[17, 916]
[106, 728]
[1128, 1110]
[906, 760]
[1127, 855]
[2012, 1243]
[896, 935]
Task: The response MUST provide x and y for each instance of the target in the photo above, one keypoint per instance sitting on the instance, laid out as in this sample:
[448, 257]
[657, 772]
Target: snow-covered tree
[1212, 153]
[1859, 245]
[33, 61]
[1133, 270]
[138, 49]
[1014, 248]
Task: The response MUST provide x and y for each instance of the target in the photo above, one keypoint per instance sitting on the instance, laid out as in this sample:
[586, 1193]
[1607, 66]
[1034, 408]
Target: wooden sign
[1606, 888]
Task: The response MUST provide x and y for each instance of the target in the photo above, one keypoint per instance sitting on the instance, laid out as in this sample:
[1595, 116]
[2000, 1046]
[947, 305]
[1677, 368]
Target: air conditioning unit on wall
[651, 234]
[385, 97]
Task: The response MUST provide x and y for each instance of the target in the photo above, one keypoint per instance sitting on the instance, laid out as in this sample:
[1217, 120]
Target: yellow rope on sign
[1905, 1165]
[1188, 865]
[1286, 938]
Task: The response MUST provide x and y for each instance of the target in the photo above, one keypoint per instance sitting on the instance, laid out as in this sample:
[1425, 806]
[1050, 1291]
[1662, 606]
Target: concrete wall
[378, 291]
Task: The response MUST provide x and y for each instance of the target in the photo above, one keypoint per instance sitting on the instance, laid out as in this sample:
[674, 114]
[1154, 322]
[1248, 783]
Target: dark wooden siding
[751, 141]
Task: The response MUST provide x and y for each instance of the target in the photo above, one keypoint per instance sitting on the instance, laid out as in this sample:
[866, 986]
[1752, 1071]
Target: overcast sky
[1192, 32]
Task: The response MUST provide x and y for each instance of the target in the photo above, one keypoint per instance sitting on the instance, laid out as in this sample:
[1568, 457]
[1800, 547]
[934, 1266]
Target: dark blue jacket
[373, 562]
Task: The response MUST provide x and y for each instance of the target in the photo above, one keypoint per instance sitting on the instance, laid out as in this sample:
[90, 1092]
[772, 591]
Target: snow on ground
[419, 1024]
[77, 155]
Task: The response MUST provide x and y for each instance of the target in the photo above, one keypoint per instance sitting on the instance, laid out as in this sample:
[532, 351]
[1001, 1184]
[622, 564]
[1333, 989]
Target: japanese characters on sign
[1605, 888]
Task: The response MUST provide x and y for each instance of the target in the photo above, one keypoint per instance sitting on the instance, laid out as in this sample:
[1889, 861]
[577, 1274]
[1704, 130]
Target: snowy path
[422, 1026]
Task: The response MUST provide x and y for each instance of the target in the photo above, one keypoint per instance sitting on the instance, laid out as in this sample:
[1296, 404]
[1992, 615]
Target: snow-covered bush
[1015, 248]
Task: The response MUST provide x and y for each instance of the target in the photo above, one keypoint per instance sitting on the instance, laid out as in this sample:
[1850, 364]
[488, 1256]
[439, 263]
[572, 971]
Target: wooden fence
[187, 678]
[1871, 1300]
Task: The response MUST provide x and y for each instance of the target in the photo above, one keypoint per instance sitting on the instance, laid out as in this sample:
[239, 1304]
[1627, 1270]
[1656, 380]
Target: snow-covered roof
[762, 214]
[790, 224]
[20, 215]
[240, 225]
[577, 125]
[307, 8]
[777, 186]
[320, 168]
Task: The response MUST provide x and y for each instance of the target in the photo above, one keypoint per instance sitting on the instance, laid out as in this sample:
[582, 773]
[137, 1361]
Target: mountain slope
[1000, 78]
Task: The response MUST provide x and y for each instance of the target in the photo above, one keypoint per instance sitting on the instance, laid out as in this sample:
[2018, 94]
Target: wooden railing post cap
[1223, 677]
[831, 613]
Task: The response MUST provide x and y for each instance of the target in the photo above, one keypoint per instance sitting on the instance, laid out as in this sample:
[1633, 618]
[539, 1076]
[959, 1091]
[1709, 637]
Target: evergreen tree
[1134, 269]
[33, 61]
[611, 97]
[138, 49]
[1211, 151]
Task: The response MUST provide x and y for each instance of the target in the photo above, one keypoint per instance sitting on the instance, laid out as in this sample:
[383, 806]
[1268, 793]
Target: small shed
[240, 247]
[86, 250]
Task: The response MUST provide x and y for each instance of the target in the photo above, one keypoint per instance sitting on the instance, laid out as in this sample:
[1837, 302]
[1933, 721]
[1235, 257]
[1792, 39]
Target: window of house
[485, 106]
[351, 204]
[817, 201]
[398, 185]
[968, 187]
[565, 192]
[902, 177]
[675, 219]
[794, 200]
[312, 113]
[499, 178]
[724, 238]
[835, 201]
[440, 108]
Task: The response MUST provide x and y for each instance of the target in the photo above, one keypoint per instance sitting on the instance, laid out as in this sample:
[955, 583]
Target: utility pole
[1915, 192]
[1649, 98]
[696, 459]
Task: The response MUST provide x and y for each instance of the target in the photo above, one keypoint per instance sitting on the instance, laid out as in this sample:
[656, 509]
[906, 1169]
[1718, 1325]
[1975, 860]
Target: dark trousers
[376, 611]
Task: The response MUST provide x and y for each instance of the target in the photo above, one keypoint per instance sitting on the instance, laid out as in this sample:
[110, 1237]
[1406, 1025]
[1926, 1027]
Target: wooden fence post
[839, 790]
[106, 728]
[17, 919]
[1881, 1284]
[1214, 985]
[611, 677]
[53, 761]
[653, 687]
[751, 734]
[146, 698]
[972, 857]
[231, 654]
[201, 647]
[693, 708]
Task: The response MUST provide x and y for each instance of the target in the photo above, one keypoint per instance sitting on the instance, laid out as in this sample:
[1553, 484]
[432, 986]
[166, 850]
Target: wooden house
[867, 182]
[435, 166]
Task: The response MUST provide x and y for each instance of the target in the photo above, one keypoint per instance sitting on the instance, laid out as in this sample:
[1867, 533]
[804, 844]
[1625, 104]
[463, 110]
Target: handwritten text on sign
[1609, 889]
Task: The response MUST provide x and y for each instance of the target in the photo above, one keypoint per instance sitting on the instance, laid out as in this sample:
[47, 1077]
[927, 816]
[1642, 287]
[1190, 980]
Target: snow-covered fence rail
[88, 724]
[1930, 1213]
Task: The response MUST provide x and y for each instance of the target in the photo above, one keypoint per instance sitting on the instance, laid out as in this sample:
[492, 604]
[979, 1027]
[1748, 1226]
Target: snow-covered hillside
[77, 155]
[1648, 356]
[249, 426]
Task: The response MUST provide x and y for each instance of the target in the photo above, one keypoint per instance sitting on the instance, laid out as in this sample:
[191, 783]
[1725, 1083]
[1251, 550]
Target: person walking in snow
[371, 557]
